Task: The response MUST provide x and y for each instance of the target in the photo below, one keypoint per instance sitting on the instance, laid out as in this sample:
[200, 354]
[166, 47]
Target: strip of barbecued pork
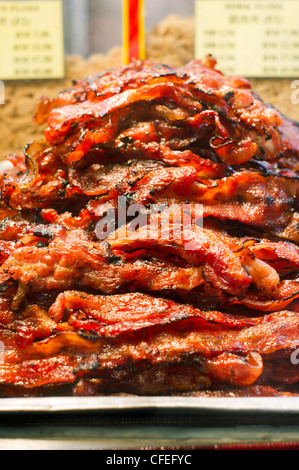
[204, 348]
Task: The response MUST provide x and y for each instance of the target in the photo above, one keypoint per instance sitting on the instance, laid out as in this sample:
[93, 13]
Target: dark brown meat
[149, 241]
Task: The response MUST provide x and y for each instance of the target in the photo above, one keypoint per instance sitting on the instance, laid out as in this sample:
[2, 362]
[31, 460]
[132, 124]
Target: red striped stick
[133, 30]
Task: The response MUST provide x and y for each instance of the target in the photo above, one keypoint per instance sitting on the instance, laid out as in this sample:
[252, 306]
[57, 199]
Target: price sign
[31, 40]
[247, 37]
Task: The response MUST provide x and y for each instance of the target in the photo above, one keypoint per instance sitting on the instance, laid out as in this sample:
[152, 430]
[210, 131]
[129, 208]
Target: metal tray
[105, 423]
[112, 404]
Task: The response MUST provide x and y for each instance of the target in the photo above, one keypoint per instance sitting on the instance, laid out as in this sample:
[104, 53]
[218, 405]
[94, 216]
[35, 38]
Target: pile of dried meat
[149, 242]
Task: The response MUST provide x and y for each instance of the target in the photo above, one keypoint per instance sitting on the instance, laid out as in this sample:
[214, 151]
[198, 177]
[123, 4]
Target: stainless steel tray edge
[116, 404]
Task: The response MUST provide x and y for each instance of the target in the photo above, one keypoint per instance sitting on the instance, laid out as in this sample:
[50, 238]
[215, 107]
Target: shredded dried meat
[149, 241]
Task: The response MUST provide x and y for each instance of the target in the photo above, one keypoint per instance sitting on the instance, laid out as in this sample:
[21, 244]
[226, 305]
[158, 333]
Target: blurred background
[93, 26]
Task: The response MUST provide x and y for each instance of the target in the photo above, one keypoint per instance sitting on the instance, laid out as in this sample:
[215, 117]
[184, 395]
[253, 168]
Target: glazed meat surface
[149, 242]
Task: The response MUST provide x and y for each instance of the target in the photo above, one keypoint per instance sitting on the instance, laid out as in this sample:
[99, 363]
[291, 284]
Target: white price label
[253, 38]
[31, 40]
